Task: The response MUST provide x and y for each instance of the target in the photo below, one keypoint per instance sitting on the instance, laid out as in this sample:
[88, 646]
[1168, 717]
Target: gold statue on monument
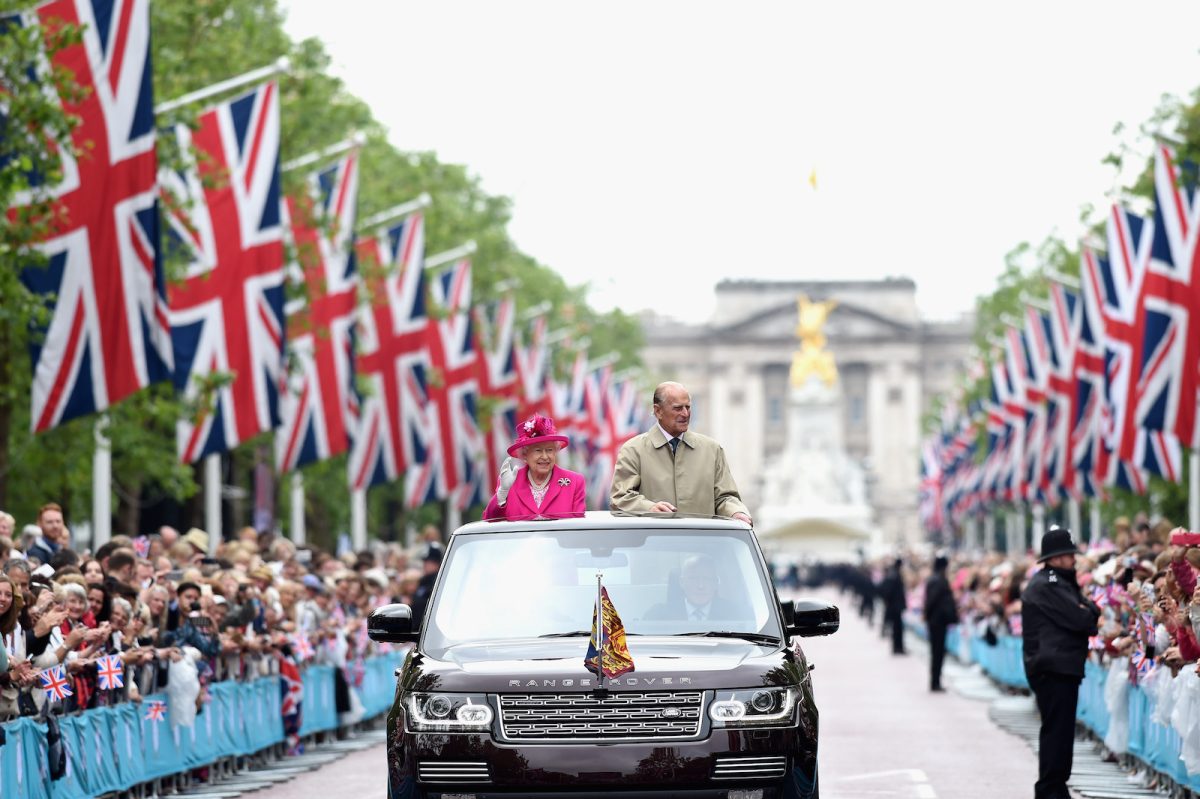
[812, 358]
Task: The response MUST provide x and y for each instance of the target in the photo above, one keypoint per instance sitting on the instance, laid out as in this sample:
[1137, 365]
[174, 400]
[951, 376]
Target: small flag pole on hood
[600, 626]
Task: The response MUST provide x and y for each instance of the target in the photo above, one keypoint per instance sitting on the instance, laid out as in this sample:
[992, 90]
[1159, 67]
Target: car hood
[550, 665]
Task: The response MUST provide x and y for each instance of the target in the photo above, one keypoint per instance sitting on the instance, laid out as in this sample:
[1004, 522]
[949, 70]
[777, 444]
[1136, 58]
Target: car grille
[660, 715]
[741, 768]
[452, 771]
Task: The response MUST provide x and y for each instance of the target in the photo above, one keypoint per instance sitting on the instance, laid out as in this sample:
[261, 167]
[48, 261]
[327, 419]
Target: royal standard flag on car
[607, 653]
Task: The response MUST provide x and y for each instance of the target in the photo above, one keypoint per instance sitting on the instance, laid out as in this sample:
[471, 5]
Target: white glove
[508, 476]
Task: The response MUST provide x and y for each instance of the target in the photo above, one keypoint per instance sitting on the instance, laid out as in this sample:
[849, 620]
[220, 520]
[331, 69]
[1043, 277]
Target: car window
[526, 585]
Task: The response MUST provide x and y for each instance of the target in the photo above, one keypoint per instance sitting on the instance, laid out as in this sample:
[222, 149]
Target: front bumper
[781, 762]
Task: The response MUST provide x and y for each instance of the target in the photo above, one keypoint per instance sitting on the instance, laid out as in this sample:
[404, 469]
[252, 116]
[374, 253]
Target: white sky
[654, 148]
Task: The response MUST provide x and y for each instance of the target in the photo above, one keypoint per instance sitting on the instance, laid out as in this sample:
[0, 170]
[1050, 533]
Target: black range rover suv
[494, 700]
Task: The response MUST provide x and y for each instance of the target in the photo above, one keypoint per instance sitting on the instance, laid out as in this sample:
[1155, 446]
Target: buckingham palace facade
[891, 364]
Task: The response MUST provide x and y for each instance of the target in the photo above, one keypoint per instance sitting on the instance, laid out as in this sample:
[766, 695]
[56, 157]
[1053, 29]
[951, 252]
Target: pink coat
[560, 500]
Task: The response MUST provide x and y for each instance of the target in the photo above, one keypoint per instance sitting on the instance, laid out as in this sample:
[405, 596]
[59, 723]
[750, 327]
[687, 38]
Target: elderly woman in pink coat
[539, 488]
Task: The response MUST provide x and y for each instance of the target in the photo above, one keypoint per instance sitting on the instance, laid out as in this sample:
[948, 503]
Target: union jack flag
[393, 356]
[601, 448]
[110, 673]
[533, 369]
[227, 315]
[1012, 393]
[454, 464]
[1061, 333]
[1169, 389]
[156, 710]
[302, 648]
[929, 506]
[291, 686]
[1089, 368]
[1132, 449]
[55, 683]
[319, 405]
[107, 332]
[1029, 358]
[498, 380]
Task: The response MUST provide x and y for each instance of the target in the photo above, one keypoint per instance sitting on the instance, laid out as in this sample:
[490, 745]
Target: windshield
[533, 584]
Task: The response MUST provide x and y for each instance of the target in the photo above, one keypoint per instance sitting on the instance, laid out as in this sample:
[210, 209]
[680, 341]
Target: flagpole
[299, 534]
[212, 500]
[358, 518]
[1194, 489]
[989, 531]
[599, 631]
[1073, 518]
[245, 79]
[344, 146]
[1094, 520]
[445, 257]
[101, 485]
[423, 200]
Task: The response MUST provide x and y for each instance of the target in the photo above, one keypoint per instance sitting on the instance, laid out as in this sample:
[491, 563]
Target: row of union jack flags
[1101, 389]
[357, 365]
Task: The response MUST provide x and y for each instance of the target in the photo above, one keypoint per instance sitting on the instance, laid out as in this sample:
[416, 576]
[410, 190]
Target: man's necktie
[698, 614]
[674, 442]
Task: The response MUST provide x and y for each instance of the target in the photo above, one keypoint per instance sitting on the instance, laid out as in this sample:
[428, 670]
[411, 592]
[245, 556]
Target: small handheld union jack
[156, 710]
[110, 673]
[55, 683]
[301, 647]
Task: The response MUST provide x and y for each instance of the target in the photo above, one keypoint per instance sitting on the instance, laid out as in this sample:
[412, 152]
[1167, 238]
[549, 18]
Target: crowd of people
[165, 615]
[1135, 591]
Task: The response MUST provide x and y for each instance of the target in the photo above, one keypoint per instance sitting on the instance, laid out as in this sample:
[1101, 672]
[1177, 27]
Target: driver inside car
[698, 579]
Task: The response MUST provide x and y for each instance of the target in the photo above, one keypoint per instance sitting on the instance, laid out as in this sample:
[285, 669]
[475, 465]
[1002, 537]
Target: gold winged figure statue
[812, 358]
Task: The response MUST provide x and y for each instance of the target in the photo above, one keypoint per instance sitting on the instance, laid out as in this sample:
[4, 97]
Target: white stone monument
[814, 495]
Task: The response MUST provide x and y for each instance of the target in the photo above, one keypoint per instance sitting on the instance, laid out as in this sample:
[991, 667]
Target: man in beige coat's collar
[671, 469]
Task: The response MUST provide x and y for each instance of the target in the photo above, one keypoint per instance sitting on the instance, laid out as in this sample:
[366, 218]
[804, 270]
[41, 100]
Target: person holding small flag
[541, 489]
[1056, 622]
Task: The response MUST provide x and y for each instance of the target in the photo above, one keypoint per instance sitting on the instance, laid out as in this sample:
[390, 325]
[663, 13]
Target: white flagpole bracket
[344, 146]
[423, 200]
[608, 359]
[245, 79]
[451, 255]
[529, 314]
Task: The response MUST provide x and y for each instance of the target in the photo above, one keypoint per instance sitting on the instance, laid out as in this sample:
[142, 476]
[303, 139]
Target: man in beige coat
[671, 469]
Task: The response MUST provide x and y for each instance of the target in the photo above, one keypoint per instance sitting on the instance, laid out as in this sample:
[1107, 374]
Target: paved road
[882, 734]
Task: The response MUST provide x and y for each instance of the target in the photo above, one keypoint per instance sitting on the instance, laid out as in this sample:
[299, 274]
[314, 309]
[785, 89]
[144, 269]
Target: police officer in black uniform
[1056, 620]
[891, 590]
[940, 612]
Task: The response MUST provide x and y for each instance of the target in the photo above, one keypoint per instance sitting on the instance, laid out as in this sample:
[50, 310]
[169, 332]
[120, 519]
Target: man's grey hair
[662, 387]
[17, 564]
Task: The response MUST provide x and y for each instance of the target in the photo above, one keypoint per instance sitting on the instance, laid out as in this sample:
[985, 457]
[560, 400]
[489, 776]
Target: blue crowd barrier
[115, 748]
[320, 711]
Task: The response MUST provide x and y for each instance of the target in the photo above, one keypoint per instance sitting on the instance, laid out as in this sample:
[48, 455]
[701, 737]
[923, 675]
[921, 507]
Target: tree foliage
[196, 43]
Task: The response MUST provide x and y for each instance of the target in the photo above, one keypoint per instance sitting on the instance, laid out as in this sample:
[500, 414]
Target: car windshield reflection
[535, 584]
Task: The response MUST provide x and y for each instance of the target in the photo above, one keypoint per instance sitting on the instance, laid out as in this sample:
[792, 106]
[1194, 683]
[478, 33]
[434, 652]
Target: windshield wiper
[757, 638]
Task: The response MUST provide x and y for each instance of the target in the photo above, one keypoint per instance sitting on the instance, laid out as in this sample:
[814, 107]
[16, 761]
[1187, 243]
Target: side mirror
[393, 624]
[811, 617]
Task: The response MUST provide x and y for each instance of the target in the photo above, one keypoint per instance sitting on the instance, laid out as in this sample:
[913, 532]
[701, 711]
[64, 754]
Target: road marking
[921, 788]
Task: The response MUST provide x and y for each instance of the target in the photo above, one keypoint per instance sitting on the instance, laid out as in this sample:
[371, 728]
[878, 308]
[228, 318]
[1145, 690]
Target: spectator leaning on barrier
[1056, 622]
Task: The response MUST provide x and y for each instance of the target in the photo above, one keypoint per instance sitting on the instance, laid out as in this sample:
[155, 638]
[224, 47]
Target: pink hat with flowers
[537, 429]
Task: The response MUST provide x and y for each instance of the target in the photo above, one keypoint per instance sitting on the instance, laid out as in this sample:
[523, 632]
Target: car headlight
[448, 712]
[752, 707]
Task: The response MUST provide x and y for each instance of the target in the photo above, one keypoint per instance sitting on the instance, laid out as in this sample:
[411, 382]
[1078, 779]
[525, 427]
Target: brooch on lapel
[564, 481]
